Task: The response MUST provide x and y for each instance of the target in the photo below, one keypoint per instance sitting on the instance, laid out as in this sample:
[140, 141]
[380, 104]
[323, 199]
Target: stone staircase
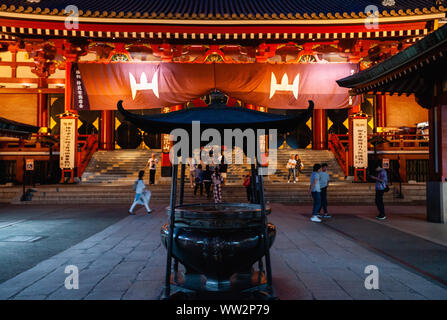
[10, 194]
[309, 158]
[109, 176]
[339, 193]
[119, 166]
[122, 166]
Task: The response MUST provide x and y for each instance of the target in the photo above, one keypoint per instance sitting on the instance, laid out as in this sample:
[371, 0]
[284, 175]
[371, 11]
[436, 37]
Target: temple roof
[9, 128]
[226, 9]
[402, 72]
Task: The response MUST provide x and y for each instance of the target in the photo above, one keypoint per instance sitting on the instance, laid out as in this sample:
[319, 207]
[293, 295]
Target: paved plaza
[122, 257]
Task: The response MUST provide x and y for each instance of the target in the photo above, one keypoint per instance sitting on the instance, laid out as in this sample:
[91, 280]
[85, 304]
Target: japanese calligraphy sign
[360, 142]
[67, 143]
[79, 94]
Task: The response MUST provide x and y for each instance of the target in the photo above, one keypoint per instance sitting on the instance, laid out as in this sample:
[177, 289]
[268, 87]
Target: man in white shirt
[291, 165]
[152, 164]
[324, 182]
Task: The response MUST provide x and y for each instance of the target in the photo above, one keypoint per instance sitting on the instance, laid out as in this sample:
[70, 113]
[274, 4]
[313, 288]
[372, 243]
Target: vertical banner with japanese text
[67, 143]
[79, 93]
[360, 142]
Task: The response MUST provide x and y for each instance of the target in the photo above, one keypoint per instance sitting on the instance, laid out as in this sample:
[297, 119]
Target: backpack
[134, 187]
[246, 182]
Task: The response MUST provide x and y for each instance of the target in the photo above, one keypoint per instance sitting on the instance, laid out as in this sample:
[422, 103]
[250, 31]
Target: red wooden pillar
[68, 100]
[380, 110]
[437, 183]
[264, 147]
[319, 129]
[107, 123]
[42, 104]
[166, 145]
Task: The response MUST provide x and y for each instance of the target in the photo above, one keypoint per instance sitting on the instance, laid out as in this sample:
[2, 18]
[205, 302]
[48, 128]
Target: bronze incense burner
[218, 244]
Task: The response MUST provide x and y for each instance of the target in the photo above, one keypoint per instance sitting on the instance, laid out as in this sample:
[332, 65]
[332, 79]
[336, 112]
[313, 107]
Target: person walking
[247, 185]
[315, 191]
[291, 164]
[298, 167]
[198, 179]
[142, 195]
[217, 179]
[152, 164]
[192, 163]
[207, 180]
[324, 182]
[223, 167]
[381, 188]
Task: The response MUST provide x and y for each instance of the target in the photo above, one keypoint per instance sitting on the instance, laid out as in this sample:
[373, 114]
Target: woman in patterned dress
[218, 180]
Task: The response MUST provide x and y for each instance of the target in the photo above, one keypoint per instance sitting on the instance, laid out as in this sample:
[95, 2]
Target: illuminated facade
[40, 41]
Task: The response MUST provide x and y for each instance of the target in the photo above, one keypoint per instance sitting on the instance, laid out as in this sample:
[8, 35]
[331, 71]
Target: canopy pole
[180, 202]
[167, 287]
[182, 183]
[265, 231]
[253, 183]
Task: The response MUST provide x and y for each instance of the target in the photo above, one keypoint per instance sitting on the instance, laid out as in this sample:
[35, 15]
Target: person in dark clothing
[207, 180]
[247, 185]
[324, 183]
[298, 167]
[254, 184]
[381, 186]
[223, 166]
[315, 190]
[198, 179]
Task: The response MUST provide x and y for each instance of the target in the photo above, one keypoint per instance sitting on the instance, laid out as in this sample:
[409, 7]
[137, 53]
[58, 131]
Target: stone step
[122, 166]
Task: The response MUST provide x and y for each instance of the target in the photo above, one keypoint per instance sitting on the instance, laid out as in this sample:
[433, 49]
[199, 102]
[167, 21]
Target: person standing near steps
[381, 188]
[217, 179]
[198, 179]
[142, 195]
[298, 166]
[152, 164]
[207, 181]
[315, 191]
[324, 182]
[291, 165]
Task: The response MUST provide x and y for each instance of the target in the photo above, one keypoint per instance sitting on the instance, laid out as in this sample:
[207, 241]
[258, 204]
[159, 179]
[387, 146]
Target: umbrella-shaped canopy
[217, 116]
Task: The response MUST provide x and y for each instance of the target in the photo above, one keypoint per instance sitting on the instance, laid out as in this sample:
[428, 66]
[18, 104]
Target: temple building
[76, 60]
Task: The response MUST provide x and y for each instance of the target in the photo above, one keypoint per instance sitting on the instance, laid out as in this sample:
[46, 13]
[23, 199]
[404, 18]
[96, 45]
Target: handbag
[246, 182]
[386, 188]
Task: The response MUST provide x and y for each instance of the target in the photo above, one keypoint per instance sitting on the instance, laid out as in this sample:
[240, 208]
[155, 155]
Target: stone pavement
[309, 261]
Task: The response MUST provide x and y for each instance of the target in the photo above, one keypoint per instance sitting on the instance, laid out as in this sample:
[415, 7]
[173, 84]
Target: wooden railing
[37, 142]
[338, 144]
[87, 146]
[393, 141]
